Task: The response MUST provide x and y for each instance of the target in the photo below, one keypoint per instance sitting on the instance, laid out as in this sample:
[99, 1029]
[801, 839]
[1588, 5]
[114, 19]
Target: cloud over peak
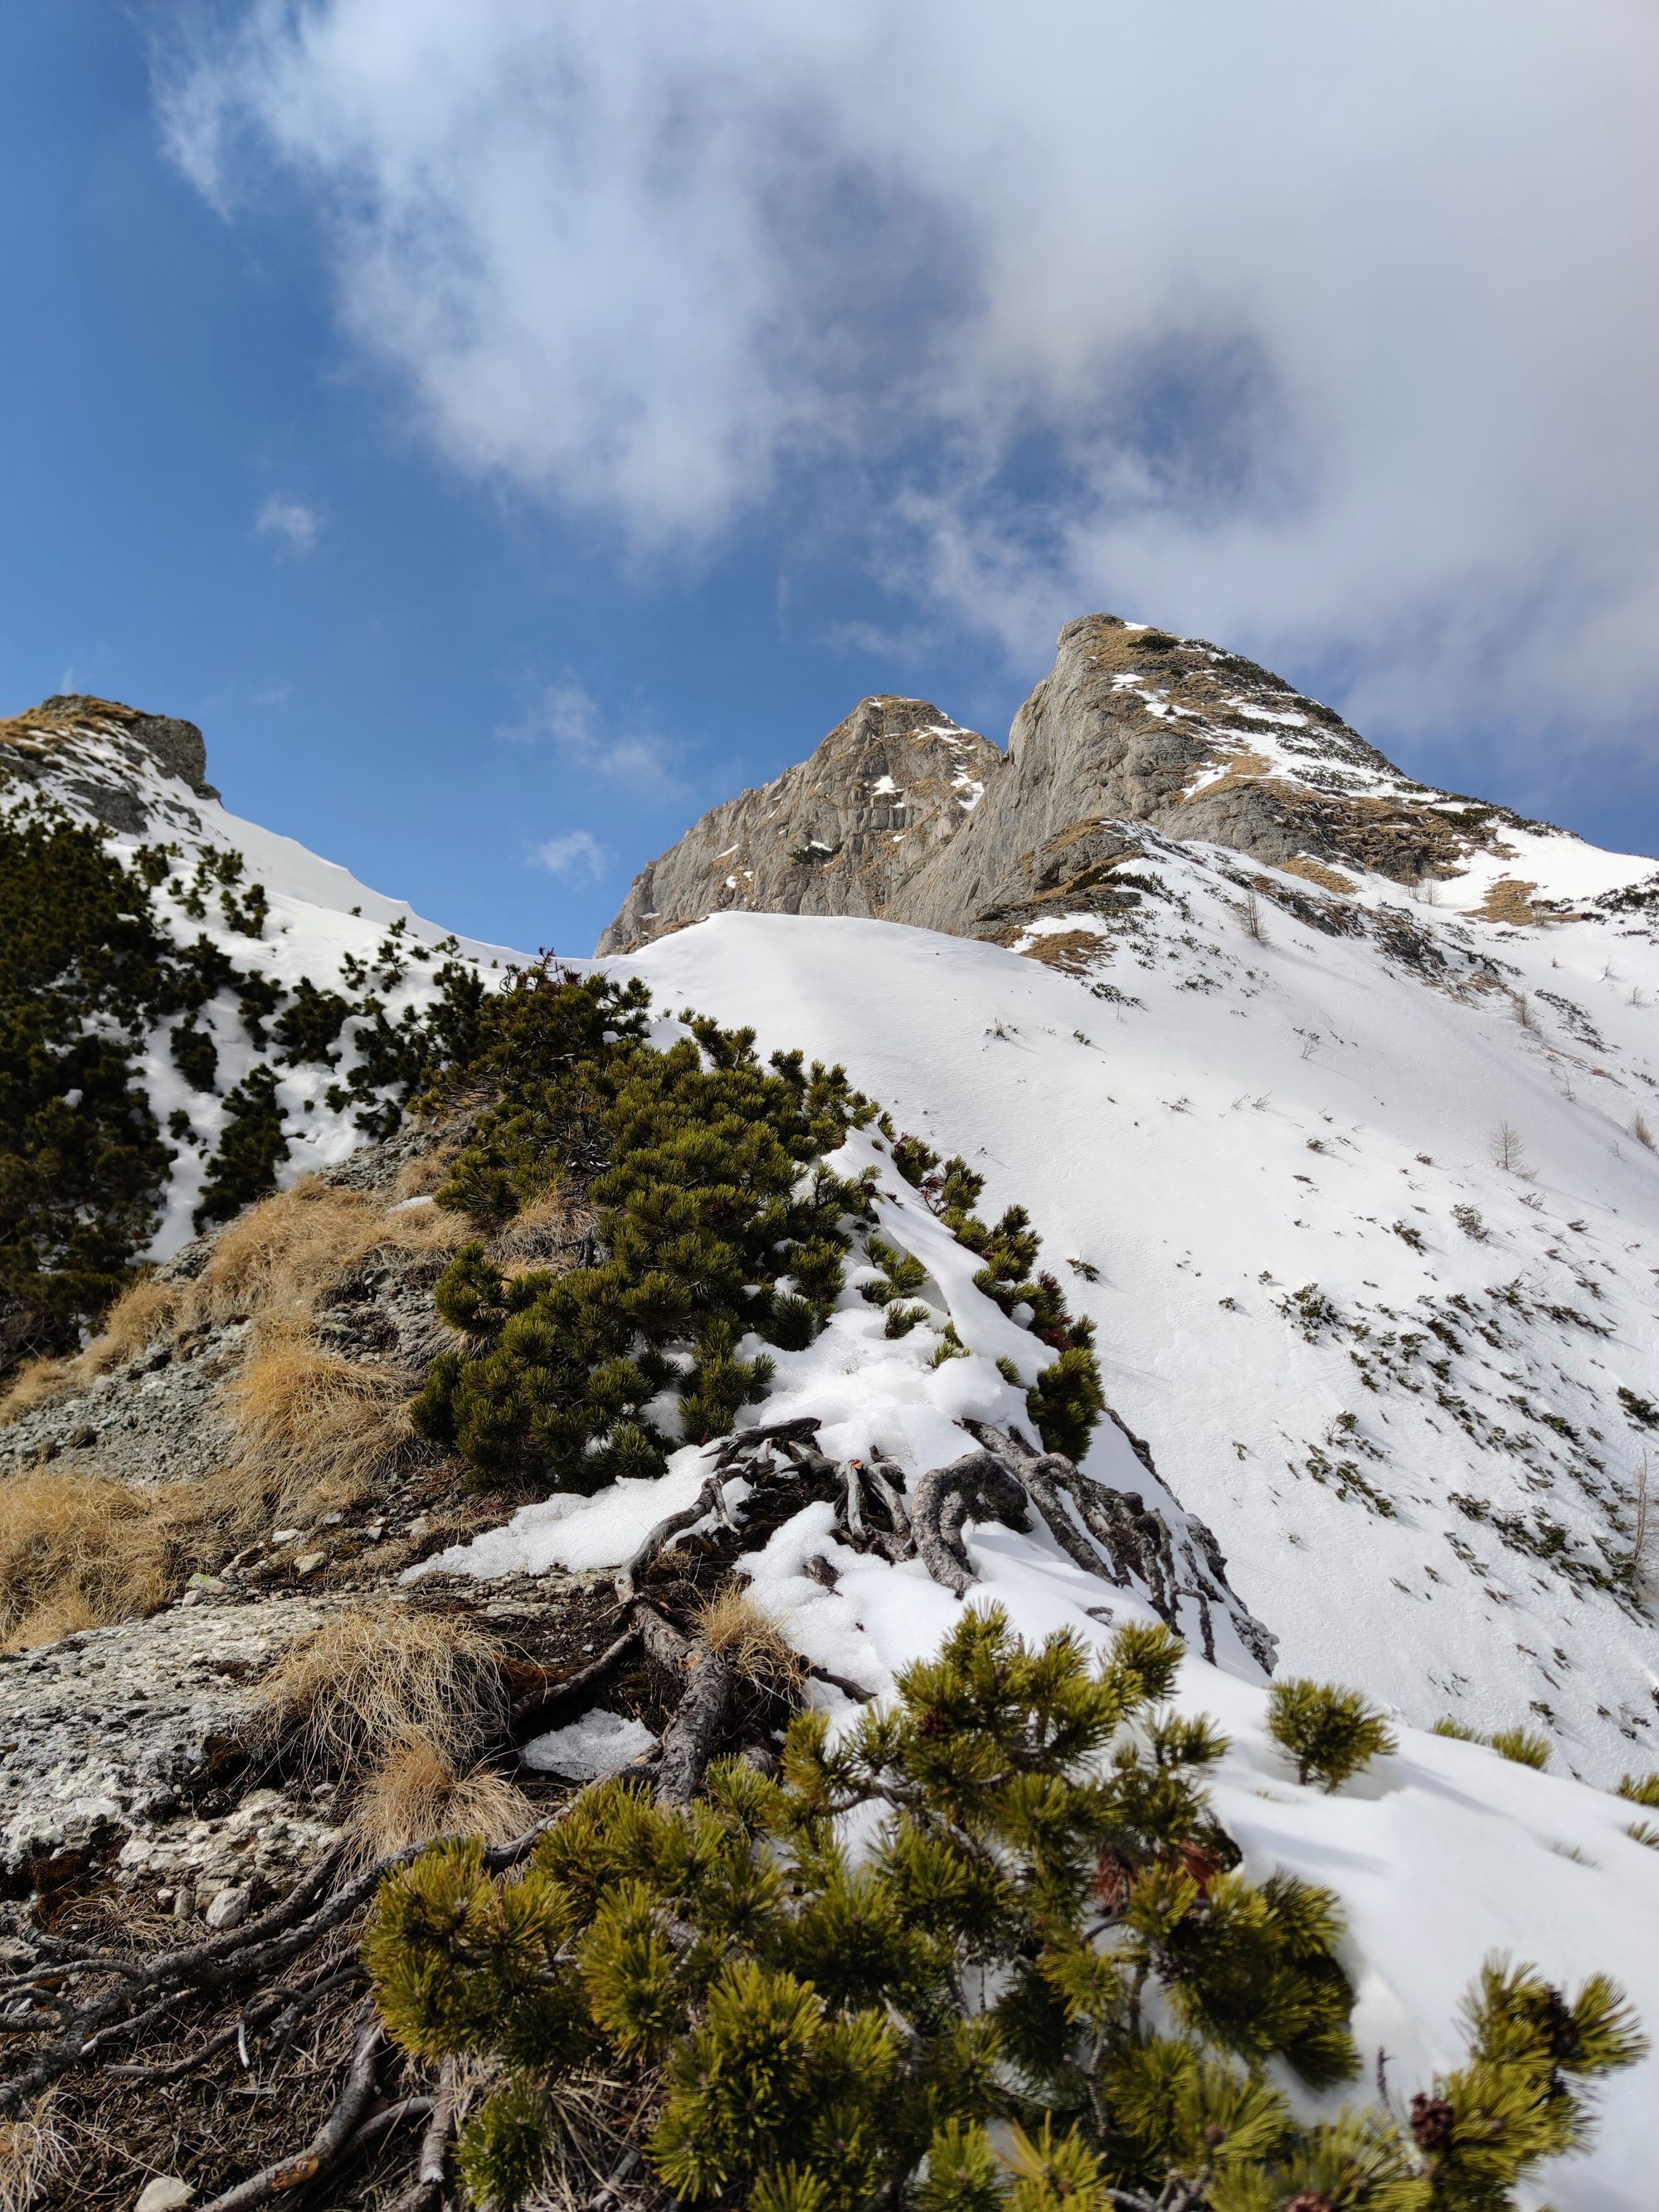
[1329, 329]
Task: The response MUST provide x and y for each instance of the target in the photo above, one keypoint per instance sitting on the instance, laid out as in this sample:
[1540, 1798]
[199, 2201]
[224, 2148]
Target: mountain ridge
[1132, 724]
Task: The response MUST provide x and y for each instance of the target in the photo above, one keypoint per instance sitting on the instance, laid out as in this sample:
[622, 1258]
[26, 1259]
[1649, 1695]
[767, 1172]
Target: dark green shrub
[310, 1024]
[794, 1322]
[84, 972]
[708, 1172]
[901, 1275]
[1331, 1733]
[1043, 1930]
[253, 1145]
[195, 1055]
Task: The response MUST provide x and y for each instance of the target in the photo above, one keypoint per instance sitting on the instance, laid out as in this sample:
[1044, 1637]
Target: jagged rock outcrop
[1134, 725]
[105, 754]
[844, 832]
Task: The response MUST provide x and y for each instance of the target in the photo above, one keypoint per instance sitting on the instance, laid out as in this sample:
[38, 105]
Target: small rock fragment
[308, 1562]
[168, 2192]
[229, 1909]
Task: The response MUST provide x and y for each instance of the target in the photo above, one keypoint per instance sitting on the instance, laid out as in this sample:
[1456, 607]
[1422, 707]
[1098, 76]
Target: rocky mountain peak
[111, 760]
[1134, 726]
[843, 832]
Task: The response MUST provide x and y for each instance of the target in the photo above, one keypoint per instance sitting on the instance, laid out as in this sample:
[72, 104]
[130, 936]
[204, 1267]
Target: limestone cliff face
[843, 833]
[901, 815]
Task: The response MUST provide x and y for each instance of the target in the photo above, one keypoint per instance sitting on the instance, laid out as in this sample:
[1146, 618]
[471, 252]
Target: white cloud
[1325, 329]
[289, 523]
[577, 857]
[566, 715]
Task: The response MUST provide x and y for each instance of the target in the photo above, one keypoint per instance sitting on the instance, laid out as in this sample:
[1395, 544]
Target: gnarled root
[976, 1488]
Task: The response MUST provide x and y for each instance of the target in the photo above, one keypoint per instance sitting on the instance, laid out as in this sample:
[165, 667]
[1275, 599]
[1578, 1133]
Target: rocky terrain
[1133, 726]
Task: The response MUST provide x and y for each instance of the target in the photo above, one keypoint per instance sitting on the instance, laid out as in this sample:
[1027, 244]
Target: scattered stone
[309, 1562]
[229, 1909]
[168, 2192]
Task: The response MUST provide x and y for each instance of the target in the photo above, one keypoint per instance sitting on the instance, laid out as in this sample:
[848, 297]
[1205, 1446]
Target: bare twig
[330, 2143]
[531, 1709]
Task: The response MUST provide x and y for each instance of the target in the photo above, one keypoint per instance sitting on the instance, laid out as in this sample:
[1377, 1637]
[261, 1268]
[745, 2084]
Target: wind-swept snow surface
[1408, 1387]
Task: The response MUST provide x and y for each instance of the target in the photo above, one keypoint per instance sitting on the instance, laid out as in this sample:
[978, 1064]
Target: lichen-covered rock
[116, 1739]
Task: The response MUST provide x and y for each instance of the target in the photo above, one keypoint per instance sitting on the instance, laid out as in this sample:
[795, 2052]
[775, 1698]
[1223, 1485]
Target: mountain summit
[901, 816]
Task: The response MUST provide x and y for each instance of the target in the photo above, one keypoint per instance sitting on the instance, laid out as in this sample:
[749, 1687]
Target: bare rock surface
[115, 1737]
[1133, 727]
[841, 833]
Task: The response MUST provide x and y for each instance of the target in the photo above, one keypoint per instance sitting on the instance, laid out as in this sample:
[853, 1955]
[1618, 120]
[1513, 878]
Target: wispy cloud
[292, 526]
[565, 714]
[1330, 329]
[575, 857]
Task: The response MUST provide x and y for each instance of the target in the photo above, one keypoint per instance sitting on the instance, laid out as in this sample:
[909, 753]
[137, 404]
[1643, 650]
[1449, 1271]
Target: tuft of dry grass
[36, 1380]
[422, 1173]
[1315, 872]
[750, 1640]
[1640, 1130]
[31, 2153]
[1508, 900]
[272, 1265]
[345, 1696]
[415, 1791]
[309, 1431]
[77, 1550]
[275, 1261]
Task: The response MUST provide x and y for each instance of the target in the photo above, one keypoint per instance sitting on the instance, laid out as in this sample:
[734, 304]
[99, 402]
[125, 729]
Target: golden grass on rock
[77, 1550]
[752, 1643]
[372, 1676]
[272, 1265]
[274, 1262]
[415, 1792]
[309, 1431]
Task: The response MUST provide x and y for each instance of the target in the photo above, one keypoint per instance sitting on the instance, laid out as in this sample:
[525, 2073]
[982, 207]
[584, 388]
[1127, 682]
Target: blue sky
[507, 431]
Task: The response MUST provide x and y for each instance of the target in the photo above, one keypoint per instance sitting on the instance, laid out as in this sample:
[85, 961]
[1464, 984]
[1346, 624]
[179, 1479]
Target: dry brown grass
[345, 1696]
[35, 1381]
[274, 1262]
[1073, 951]
[1315, 872]
[421, 1174]
[272, 1265]
[415, 1791]
[1508, 900]
[750, 1640]
[309, 1431]
[77, 1550]
[32, 2152]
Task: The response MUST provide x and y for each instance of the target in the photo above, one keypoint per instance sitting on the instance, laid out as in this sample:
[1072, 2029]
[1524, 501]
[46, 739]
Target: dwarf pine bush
[1042, 1927]
[717, 1221]
[1330, 1732]
[1067, 1398]
[90, 968]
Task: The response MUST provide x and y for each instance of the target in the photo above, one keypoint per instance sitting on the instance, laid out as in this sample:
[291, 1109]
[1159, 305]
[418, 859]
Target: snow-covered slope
[1386, 1369]
[101, 762]
[1442, 1854]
